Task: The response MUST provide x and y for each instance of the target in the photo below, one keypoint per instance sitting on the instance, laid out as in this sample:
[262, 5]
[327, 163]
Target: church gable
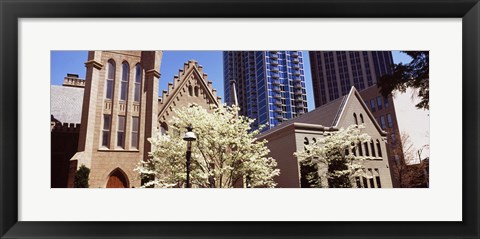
[189, 86]
[355, 111]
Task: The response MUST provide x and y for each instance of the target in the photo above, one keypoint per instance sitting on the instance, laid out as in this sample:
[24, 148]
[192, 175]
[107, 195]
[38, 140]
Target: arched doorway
[117, 179]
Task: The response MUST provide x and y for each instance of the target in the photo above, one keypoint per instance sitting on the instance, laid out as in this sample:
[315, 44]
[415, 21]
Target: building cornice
[153, 72]
[94, 63]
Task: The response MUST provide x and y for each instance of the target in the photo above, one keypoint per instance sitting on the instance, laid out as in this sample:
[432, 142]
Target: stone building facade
[190, 86]
[383, 109]
[122, 109]
[293, 135]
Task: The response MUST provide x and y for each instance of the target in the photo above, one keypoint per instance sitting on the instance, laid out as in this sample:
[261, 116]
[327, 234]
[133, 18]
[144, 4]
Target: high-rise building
[269, 85]
[335, 72]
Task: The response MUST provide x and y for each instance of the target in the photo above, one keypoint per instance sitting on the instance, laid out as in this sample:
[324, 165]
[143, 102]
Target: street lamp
[189, 137]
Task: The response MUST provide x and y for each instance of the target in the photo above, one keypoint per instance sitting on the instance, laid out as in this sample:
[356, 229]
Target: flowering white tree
[225, 154]
[337, 151]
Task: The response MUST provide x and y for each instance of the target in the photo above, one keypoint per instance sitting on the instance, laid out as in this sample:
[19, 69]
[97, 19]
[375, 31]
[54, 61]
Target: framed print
[126, 50]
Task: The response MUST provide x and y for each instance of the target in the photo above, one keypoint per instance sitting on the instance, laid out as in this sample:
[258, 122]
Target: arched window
[355, 118]
[190, 90]
[367, 153]
[360, 149]
[379, 149]
[138, 82]
[372, 147]
[163, 128]
[196, 91]
[305, 142]
[354, 149]
[124, 83]
[361, 118]
[110, 79]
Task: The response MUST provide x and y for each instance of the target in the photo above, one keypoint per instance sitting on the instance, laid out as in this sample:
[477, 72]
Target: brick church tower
[119, 113]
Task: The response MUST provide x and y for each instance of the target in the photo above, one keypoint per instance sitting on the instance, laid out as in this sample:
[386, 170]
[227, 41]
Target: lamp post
[189, 137]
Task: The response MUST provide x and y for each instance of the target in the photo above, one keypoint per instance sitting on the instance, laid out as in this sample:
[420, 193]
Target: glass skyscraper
[270, 85]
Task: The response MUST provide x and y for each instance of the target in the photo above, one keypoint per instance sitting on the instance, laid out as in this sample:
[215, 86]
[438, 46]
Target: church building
[292, 136]
[121, 109]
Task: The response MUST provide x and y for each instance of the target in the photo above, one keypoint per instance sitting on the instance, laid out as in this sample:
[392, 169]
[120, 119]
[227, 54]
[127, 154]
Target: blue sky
[63, 62]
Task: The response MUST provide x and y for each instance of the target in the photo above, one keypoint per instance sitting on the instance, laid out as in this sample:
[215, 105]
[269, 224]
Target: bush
[81, 177]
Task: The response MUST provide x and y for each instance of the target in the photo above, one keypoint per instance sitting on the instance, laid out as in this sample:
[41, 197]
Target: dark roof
[325, 115]
[66, 104]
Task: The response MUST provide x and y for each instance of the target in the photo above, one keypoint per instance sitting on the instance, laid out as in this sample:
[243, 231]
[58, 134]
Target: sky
[63, 62]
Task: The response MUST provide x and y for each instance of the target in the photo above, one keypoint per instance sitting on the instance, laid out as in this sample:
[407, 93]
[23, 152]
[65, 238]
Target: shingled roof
[325, 115]
[66, 104]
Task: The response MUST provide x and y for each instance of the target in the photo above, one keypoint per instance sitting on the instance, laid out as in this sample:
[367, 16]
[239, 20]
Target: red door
[117, 180]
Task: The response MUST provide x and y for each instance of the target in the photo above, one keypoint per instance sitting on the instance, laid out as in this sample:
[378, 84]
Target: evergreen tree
[81, 177]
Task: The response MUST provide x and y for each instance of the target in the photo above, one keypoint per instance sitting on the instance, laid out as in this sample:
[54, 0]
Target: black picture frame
[12, 10]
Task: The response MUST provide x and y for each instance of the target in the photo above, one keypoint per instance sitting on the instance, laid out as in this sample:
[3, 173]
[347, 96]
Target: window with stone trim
[110, 80]
[360, 150]
[372, 147]
[305, 143]
[124, 82]
[377, 178]
[365, 182]
[196, 91]
[163, 128]
[379, 148]
[370, 179]
[367, 153]
[107, 120]
[121, 132]
[138, 83]
[135, 127]
[190, 90]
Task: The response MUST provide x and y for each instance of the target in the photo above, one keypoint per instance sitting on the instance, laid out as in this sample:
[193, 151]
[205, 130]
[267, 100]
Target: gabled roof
[66, 104]
[190, 69]
[354, 93]
[327, 115]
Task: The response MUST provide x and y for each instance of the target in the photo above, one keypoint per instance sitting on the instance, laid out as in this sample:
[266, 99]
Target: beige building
[334, 72]
[292, 136]
[121, 110]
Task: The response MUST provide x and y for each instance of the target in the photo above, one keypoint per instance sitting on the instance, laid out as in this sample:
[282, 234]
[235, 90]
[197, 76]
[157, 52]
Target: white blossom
[336, 151]
[225, 154]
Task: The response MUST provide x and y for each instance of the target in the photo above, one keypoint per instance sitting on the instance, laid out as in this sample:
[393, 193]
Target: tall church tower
[119, 113]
